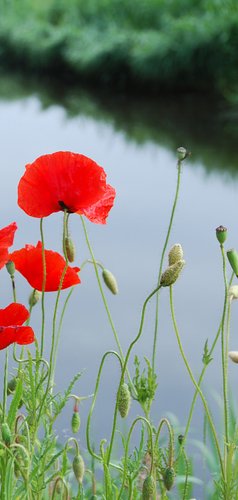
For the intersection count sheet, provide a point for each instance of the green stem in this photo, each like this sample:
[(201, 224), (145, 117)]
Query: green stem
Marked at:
[(125, 367), (43, 289), (195, 383), (179, 165), (224, 341), (90, 449), (95, 263), (202, 374), (5, 386), (60, 328), (142, 419), (164, 421)]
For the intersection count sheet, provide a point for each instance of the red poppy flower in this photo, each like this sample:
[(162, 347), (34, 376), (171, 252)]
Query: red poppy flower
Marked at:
[(11, 329), (6, 241), (65, 180), (28, 261)]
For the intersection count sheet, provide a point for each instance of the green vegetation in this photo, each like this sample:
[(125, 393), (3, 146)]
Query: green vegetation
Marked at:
[(149, 44)]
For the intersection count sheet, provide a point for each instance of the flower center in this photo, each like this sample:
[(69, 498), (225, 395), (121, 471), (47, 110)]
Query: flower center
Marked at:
[(64, 207)]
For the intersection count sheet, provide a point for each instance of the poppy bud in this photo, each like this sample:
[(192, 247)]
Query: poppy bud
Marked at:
[(221, 234), (11, 386), (233, 292), (6, 434), (233, 355), (69, 248), (78, 467), (149, 488), (124, 400), (233, 259), (10, 267), (175, 254), (180, 439), (75, 421), (172, 273), (168, 477), (110, 281), (181, 153), (34, 298)]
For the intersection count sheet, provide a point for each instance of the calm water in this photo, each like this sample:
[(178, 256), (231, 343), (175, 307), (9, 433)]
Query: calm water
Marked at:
[(135, 143)]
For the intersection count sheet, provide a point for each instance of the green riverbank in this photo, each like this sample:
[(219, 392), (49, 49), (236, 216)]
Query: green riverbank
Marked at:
[(152, 45)]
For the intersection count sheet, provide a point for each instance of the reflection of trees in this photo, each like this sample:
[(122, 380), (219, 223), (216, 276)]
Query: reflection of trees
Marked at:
[(206, 127)]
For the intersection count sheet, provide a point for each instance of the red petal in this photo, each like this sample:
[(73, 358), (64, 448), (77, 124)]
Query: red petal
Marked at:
[(28, 261), (61, 179), (20, 334), (99, 211), (14, 314), (6, 241)]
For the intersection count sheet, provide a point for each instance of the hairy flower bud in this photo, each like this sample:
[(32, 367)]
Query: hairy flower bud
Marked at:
[(110, 281), (149, 488), (168, 477), (181, 153), (233, 292), (221, 234), (233, 355), (180, 439), (6, 434), (124, 400), (10, 267), (34, 297), (11, 386), (175, 254), (233, 259), (78, 467), (69, 248), (75, 421), (171, 274)]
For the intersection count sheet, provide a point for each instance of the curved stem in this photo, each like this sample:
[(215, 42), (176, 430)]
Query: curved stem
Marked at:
[(95, 263), (60, 328), (164, 421), (125, 366), (179, 166), (142, 419), (195, 383), (90, 449), (5, 386)]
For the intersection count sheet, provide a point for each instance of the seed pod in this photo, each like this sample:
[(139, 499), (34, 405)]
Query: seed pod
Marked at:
[(171, 274), (181, 153), (175, 254), (34, 298), (75, 421), (124, 400), (149, 488), (221, 234), (10, 267), (110, 281), (168, 477), (6, 434), (11, 386), (69, 248), (78, 467), (233, 259)]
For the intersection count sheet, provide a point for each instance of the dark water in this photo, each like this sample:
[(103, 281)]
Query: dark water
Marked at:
[(136, 143)]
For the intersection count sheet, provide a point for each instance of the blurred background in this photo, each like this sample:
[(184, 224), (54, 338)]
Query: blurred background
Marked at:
[(126, 83)]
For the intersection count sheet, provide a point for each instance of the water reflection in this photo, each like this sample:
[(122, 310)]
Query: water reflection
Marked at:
[(206, 126)]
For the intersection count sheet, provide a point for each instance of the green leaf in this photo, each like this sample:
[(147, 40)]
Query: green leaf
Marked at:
[(15, 403)]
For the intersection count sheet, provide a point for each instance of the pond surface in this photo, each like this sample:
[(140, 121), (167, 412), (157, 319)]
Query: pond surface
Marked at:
[(136, 144)]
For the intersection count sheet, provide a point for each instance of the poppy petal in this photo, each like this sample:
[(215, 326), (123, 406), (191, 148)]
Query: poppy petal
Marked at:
[(6, 241), (58, 181), (99, 211), (20, 334), (28, 261), (14, 314)]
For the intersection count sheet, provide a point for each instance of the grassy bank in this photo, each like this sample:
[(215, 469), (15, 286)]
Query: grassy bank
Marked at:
[(152, 44)]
